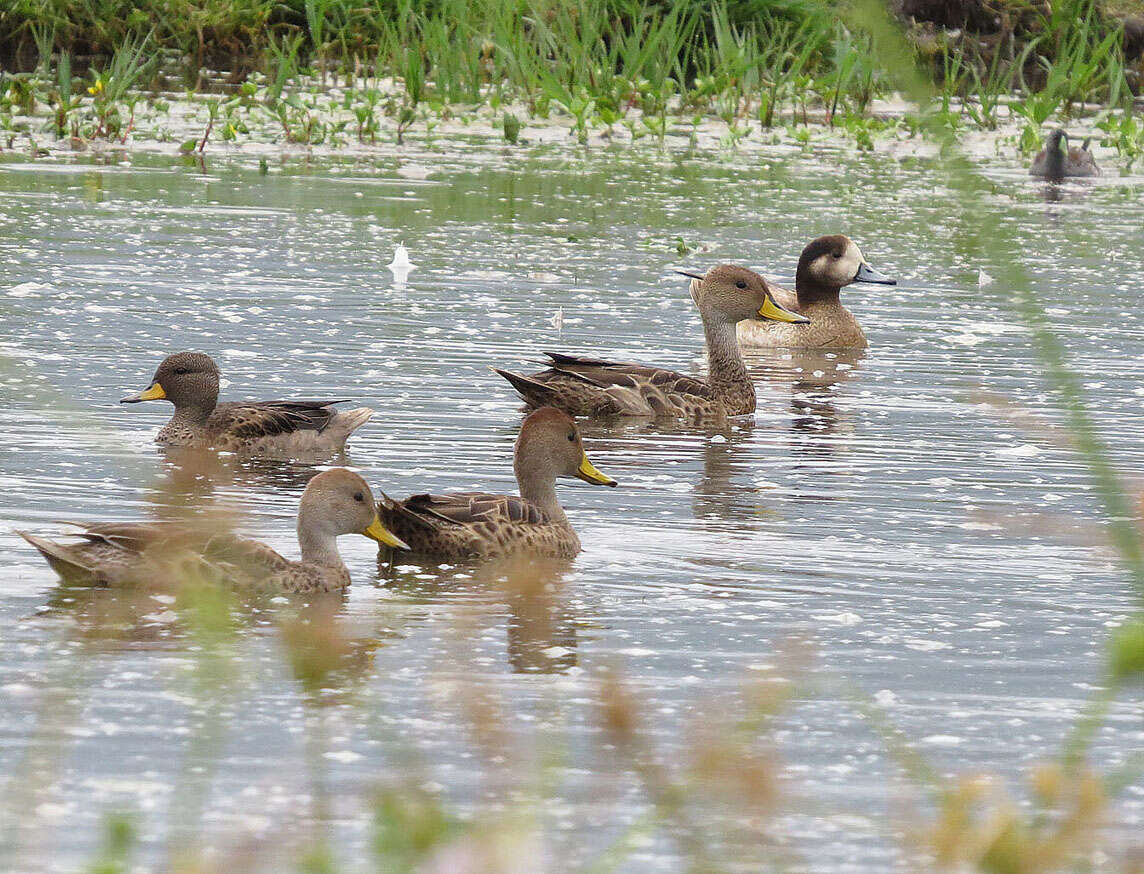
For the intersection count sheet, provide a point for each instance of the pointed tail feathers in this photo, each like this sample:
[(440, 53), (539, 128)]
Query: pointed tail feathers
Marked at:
[(346, 422), (63, 559), (534, 392)]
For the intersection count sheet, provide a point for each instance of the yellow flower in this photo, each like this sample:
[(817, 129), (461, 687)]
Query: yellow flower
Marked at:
[(97, 88)]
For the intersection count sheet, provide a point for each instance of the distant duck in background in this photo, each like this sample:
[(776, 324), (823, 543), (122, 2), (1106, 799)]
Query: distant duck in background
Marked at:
[(825, 266), (1057, 160)]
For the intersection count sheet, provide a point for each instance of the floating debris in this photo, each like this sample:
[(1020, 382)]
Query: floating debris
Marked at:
[(401, 262)]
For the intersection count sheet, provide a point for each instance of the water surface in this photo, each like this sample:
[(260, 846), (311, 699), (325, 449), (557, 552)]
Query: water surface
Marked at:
[(933, 553)]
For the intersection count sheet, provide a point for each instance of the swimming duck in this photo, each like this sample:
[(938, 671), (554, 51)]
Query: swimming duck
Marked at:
[(825, 265), (335, 502), (1057, 160), (582, 386), (477, 525), (189, 380)]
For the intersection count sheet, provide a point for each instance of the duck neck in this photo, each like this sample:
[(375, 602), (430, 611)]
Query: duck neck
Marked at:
[(193, 415), (319, 546), (810, 291), (727, 374), (1055, 151), (539, 487)]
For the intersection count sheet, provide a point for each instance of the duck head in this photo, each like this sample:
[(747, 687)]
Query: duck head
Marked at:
[(549, 446), (738, 293), (833, 261), (337, 502), (186, 379), (1057, 141)]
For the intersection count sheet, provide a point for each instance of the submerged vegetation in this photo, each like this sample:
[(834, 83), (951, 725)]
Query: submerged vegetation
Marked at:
[(335, 72)]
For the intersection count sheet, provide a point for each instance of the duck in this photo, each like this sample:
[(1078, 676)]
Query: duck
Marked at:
[(1057, 160), (585, 386), (478, 525), (120, 554), (826, 265), (189, 380)]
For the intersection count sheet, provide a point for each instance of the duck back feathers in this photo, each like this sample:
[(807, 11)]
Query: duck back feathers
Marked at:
[(469, 525)]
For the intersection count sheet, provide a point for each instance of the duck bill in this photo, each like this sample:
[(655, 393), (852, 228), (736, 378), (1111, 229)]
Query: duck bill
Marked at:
[(154, 393), (775, 313), (589, 474), (866, 273), (377, 531)]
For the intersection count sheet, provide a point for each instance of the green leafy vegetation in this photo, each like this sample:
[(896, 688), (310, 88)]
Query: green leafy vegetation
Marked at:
[(642, 66)]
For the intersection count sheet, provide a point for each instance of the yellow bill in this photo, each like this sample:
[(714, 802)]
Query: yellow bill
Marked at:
[(377, 531), (154, 393), (589, 474), (774, 312)]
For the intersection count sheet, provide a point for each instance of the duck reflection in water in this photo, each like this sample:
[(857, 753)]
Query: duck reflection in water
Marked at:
[(541, 629), (541, 623), (816, 378), (190, 479), (727, 489)]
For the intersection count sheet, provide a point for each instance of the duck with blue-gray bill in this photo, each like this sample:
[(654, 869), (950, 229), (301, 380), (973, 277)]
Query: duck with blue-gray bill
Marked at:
[(826, 266)]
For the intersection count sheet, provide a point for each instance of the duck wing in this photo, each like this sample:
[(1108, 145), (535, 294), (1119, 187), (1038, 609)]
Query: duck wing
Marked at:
[(464, 524), (467, 508), (585, 386), (114, 553), (250, 420), (1081, 161)]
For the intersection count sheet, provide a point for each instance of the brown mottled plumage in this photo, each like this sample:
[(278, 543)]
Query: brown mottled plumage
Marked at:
[(189, 380), (1058, 160), (163, 554), (825, 266), (477, 525), (584, 386)]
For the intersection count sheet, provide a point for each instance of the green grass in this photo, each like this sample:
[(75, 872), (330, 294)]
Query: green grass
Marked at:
[(642, 65)]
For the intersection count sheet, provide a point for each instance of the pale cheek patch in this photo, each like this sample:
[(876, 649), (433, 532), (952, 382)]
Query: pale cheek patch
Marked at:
[(848, 265)]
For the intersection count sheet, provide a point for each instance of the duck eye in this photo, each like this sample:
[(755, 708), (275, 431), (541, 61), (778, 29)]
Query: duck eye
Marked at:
[(740, 284), (181, 371), (359, 497), (837, 255), (572, 437)]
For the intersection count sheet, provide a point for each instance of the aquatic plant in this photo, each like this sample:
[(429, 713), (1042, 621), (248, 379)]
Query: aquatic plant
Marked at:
[(604, 63), (1124, 132), (510, 125), (114, 89)]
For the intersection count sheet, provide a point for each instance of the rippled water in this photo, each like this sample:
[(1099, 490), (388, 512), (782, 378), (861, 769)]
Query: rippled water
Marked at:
[(936, 554)]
